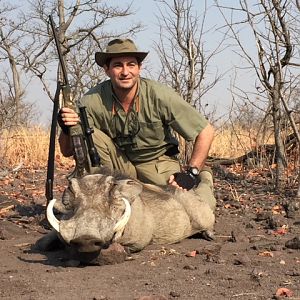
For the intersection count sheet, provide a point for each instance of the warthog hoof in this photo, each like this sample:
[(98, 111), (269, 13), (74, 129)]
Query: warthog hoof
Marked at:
[(208, 235)]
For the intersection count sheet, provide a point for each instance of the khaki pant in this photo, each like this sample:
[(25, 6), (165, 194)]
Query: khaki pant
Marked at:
[(156, 171)]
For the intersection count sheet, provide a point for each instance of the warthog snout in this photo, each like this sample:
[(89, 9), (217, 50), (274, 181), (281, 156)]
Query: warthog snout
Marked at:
[(87, 243)]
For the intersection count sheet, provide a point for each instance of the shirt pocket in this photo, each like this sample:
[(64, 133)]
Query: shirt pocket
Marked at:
[(151, 135)]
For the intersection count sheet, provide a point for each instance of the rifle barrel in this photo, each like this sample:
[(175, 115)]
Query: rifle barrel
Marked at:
[(61, 59)]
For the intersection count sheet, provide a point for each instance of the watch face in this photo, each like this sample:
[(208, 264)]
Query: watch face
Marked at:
[(194, 171)]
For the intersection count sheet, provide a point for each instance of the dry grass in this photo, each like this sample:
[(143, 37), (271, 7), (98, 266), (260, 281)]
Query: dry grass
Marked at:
[(30, 146), (237, 141), (27, 146)]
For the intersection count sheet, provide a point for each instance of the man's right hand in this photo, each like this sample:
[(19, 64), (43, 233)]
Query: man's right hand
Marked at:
[(67, 117)]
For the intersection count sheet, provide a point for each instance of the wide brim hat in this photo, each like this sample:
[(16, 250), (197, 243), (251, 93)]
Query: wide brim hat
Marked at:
[(117, 48)]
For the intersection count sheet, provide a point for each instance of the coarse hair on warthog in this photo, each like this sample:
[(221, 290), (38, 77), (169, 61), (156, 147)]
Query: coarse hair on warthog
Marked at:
[(100, 209)]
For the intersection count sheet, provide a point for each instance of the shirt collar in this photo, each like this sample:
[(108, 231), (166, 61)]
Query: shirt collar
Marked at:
[(116, 105)]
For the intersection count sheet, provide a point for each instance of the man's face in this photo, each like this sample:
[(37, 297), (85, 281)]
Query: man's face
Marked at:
[(123, 72)]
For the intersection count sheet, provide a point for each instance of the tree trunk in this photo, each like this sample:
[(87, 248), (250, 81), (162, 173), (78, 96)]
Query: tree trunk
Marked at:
[(279, 146), (17, 88)]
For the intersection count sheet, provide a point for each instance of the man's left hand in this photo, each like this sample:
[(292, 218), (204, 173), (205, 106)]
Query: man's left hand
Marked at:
[(183, 180)]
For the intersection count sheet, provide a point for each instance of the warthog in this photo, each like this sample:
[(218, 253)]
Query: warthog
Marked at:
[(101, 209)]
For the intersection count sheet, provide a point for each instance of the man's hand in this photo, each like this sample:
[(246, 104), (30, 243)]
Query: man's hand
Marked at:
[(67, 117), (183, 180)]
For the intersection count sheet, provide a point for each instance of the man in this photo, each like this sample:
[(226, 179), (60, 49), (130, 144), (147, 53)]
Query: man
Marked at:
[(132, 119)]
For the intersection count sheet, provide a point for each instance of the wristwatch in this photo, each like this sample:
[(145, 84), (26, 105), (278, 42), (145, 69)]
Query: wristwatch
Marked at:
[(193, 170)]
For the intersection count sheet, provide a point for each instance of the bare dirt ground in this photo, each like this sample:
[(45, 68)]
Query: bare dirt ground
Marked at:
[(255, 254)]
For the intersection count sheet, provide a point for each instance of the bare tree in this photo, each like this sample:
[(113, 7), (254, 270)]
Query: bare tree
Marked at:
[(12, 94), (184, 59), (83, 28), (270, 22)]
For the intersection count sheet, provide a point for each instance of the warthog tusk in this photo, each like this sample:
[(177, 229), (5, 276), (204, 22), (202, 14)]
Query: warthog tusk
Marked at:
[(54, 222), (120, 225)]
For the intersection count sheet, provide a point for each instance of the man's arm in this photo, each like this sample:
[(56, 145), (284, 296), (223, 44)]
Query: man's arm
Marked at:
[(200, 151), (69, 118), (65, 144), (201, 147)]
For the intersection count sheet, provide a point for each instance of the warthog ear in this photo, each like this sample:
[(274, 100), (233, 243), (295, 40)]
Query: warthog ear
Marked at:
[(74, 186), (129, 188)]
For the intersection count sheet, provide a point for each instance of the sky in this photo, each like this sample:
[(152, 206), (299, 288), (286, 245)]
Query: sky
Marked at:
[(146, 12)]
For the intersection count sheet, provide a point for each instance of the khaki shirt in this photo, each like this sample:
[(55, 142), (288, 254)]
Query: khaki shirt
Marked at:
[(144, 132)]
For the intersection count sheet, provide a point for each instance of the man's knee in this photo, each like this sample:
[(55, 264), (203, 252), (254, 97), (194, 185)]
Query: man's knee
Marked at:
[(205, 188), (206, 176)]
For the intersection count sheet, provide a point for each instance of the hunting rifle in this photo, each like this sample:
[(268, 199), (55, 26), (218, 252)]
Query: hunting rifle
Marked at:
[(75, 131)]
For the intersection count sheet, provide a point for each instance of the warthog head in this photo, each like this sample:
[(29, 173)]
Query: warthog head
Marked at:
[(98, 210)]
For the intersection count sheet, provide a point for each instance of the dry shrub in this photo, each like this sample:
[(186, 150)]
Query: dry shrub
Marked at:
[(232, 142), (27, 146)]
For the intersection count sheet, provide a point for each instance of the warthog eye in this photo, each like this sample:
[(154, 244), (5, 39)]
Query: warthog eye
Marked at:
[(112, 191), (71, 189), (68, 198)]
